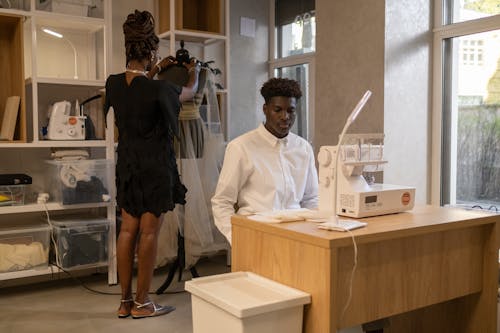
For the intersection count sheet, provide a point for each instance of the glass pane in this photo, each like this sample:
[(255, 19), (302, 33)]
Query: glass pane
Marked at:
[(472, 118), (299, 73), (295, 27), (465, 10), (298, 37)]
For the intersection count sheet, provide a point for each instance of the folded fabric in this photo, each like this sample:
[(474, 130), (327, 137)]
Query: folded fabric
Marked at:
[(14, 257)]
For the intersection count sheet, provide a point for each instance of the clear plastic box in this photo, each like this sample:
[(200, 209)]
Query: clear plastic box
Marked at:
[(80, 242), (24, 248), (12, 195), (69, 7), (79, 181)]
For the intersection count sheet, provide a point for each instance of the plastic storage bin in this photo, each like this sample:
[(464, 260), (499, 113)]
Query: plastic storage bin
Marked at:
[(80, 241), (70, 7), (79, 181), (244, 302), (24, 248), (11, 195)]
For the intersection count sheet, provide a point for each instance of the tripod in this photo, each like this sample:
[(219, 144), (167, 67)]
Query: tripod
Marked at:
[(179, 263)]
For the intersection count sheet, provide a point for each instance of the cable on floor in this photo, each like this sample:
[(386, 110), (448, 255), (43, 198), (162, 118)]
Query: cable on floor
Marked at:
[(85, 286)]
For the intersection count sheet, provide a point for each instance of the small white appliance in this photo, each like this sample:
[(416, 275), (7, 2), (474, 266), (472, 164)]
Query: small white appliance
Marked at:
[(356, 197), (63, 125)]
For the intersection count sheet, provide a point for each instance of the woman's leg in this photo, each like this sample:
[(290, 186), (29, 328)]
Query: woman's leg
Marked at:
[(125, 251), (149, 227), (148, 242)]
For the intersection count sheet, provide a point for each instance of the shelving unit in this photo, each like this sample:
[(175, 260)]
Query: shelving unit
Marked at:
[(204, 27), (71, 67)]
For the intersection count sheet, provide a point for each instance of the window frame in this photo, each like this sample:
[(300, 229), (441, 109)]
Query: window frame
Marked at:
[(293, 60), (441, 32)]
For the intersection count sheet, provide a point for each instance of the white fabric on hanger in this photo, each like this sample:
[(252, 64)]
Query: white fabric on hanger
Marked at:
[(199, 172)]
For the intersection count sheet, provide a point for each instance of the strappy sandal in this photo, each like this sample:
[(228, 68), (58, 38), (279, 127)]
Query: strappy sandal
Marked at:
[(158, 310), (126, 312)]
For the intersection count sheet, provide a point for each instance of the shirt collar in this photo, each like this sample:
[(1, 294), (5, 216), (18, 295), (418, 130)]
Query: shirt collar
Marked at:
[(270, 138)]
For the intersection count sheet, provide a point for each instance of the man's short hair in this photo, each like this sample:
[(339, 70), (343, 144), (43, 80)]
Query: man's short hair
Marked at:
[(280, 87)]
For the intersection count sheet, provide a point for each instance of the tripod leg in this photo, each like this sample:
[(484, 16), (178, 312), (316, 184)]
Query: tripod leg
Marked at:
[(181, 254), (170, 277), (194, 273)]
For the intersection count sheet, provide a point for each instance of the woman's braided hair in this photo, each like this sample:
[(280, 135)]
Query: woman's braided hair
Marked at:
[(140, 37)]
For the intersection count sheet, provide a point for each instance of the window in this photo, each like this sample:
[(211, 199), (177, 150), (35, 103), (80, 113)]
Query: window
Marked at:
[(465, 10), (466, 160), (300, 73), (471, 51), (293, 43)]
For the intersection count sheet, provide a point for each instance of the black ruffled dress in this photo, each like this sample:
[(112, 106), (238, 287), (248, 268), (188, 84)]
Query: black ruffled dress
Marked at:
[(146, 114)]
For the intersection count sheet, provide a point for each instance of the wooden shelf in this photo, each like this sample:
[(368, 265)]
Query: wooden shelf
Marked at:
[(12, 69), (196, 15)]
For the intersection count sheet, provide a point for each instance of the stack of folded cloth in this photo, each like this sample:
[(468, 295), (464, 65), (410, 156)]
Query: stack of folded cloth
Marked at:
[(21, 256)]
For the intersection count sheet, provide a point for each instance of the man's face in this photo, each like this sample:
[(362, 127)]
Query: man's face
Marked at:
[(280, 115)]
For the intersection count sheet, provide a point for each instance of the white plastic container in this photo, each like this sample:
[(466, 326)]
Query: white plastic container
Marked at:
[(244, 302)]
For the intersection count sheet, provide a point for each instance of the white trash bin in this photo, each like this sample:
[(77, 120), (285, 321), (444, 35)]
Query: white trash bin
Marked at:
[(244, 302)]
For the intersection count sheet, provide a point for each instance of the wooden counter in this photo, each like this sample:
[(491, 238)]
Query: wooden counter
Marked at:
[(432, 269)]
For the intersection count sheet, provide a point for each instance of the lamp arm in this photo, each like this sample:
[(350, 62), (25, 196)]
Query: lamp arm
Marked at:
[(348, 123), (75, 56), (336, 173)]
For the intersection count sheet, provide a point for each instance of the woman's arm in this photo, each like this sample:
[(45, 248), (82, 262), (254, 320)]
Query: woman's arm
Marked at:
[(189, 90)]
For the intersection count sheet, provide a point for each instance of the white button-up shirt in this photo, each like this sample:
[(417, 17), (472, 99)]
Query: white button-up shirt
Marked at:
[(263, 173)]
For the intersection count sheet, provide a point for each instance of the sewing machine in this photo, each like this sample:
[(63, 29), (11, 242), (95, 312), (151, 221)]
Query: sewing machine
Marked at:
[(63, 125), (358, 197)]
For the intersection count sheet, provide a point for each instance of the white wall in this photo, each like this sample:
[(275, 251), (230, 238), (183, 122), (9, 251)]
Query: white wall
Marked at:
[(407, 89), (349, 61), (383, 46), (121, 8), (248, 63)]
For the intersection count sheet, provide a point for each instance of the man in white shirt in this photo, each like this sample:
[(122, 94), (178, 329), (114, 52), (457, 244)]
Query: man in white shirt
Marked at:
[(268, 168)]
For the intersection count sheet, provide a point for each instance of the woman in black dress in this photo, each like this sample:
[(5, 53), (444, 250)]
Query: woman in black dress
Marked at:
[(147, 179)]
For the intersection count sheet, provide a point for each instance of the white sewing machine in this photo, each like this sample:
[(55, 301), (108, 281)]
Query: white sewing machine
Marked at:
[(64, 126), (357, 197)]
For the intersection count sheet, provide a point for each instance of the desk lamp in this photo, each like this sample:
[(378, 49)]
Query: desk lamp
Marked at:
[(58, 35), (348, 123)]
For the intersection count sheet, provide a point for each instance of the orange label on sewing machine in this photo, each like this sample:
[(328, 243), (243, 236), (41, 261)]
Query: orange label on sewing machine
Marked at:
[(406, 198)]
